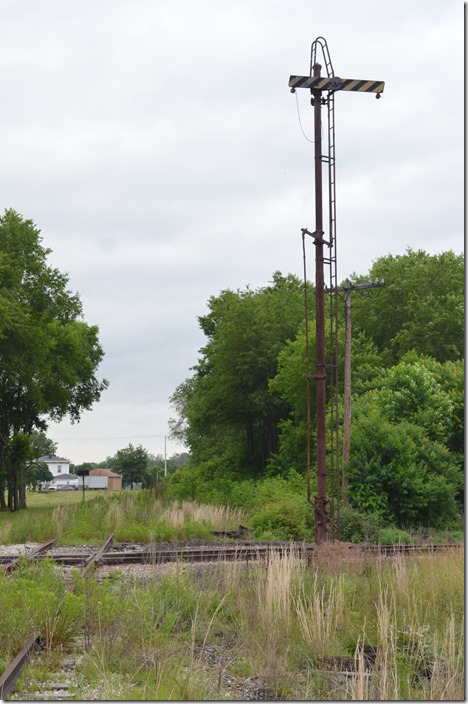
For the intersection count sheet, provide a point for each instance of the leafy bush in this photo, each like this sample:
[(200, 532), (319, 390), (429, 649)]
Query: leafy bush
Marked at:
[(393, 536), (290, 519), (398, 471), (357, 527)]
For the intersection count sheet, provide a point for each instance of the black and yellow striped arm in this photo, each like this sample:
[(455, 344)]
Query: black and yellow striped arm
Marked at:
[(335, 83)]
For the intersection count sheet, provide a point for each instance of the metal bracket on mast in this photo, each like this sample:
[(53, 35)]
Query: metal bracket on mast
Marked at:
[(317, 236)]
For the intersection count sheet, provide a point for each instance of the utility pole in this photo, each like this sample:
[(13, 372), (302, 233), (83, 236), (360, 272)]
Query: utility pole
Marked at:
[(317, 84), (347, 288), (165, 457)]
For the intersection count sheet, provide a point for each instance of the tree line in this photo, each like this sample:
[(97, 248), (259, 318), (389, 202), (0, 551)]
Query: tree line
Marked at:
[(138, 466), (242, 412)]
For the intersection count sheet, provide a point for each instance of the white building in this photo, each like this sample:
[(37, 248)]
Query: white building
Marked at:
[(56, 465)]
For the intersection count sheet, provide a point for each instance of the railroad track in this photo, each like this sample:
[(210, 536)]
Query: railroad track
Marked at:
[(12, 562), (154, 555), (13, 671)]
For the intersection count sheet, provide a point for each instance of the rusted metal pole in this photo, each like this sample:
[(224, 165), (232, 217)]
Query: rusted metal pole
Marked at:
[(321, 529)]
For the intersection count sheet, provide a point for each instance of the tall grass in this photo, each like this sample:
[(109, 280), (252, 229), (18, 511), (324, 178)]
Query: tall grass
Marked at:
[(285, 622), (218, 517), (190, 633), (131, 516)]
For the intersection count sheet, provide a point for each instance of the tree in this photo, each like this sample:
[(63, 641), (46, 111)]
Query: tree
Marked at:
[(131, 462), (411, 392), (42, 445), (243, 411), (420, 308), (84, 466), (37, 473), (226, 408), (48, 354), (397, 471), (402, 464)]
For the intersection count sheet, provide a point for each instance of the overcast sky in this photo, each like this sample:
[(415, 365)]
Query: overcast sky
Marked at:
[(157, 147)]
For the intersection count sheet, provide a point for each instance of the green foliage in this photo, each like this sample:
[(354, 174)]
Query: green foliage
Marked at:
[(48, 355), (243, 412), (393, 536), (37, 473), (288, 519), (411, 392), (358, 527), (451, 379), (64, 626), (398, 471), (228, 403), (131, 462), (87, 466), (421, 306), (28, 596), (42, 444)]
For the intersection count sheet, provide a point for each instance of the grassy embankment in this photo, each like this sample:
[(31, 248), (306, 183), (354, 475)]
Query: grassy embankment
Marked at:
[(141, 517), (193, 634)]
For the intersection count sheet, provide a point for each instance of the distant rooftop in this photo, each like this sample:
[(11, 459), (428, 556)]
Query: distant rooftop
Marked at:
[(52, 458), (103, 473)]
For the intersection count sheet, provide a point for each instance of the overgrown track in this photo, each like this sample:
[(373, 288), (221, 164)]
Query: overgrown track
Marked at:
[(155, 554), (30, 556), (33, 643), (411, 548)]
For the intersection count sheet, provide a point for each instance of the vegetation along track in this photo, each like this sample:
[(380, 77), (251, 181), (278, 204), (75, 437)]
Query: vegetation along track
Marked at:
[(13, 670), (124, 554), (121, 554)]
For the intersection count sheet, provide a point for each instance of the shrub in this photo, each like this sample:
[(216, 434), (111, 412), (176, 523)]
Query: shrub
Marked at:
[(393, 536), (357, 527), (290, 519)]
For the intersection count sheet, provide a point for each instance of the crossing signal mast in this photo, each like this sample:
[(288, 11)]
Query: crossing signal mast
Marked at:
[(323, 89)]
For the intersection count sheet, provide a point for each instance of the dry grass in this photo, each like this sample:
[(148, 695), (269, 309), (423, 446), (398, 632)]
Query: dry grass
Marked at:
[(292, 612), (219, 517), (283, 623)]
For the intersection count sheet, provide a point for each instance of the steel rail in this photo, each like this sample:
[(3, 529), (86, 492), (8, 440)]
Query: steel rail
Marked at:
[(12, 672), (97, 556), (29, 556), (232, 552)]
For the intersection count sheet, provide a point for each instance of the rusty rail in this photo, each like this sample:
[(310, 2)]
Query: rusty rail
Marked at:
[(248, 551), (97, 556), (13, 670), (245, 552), (29, 556)]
